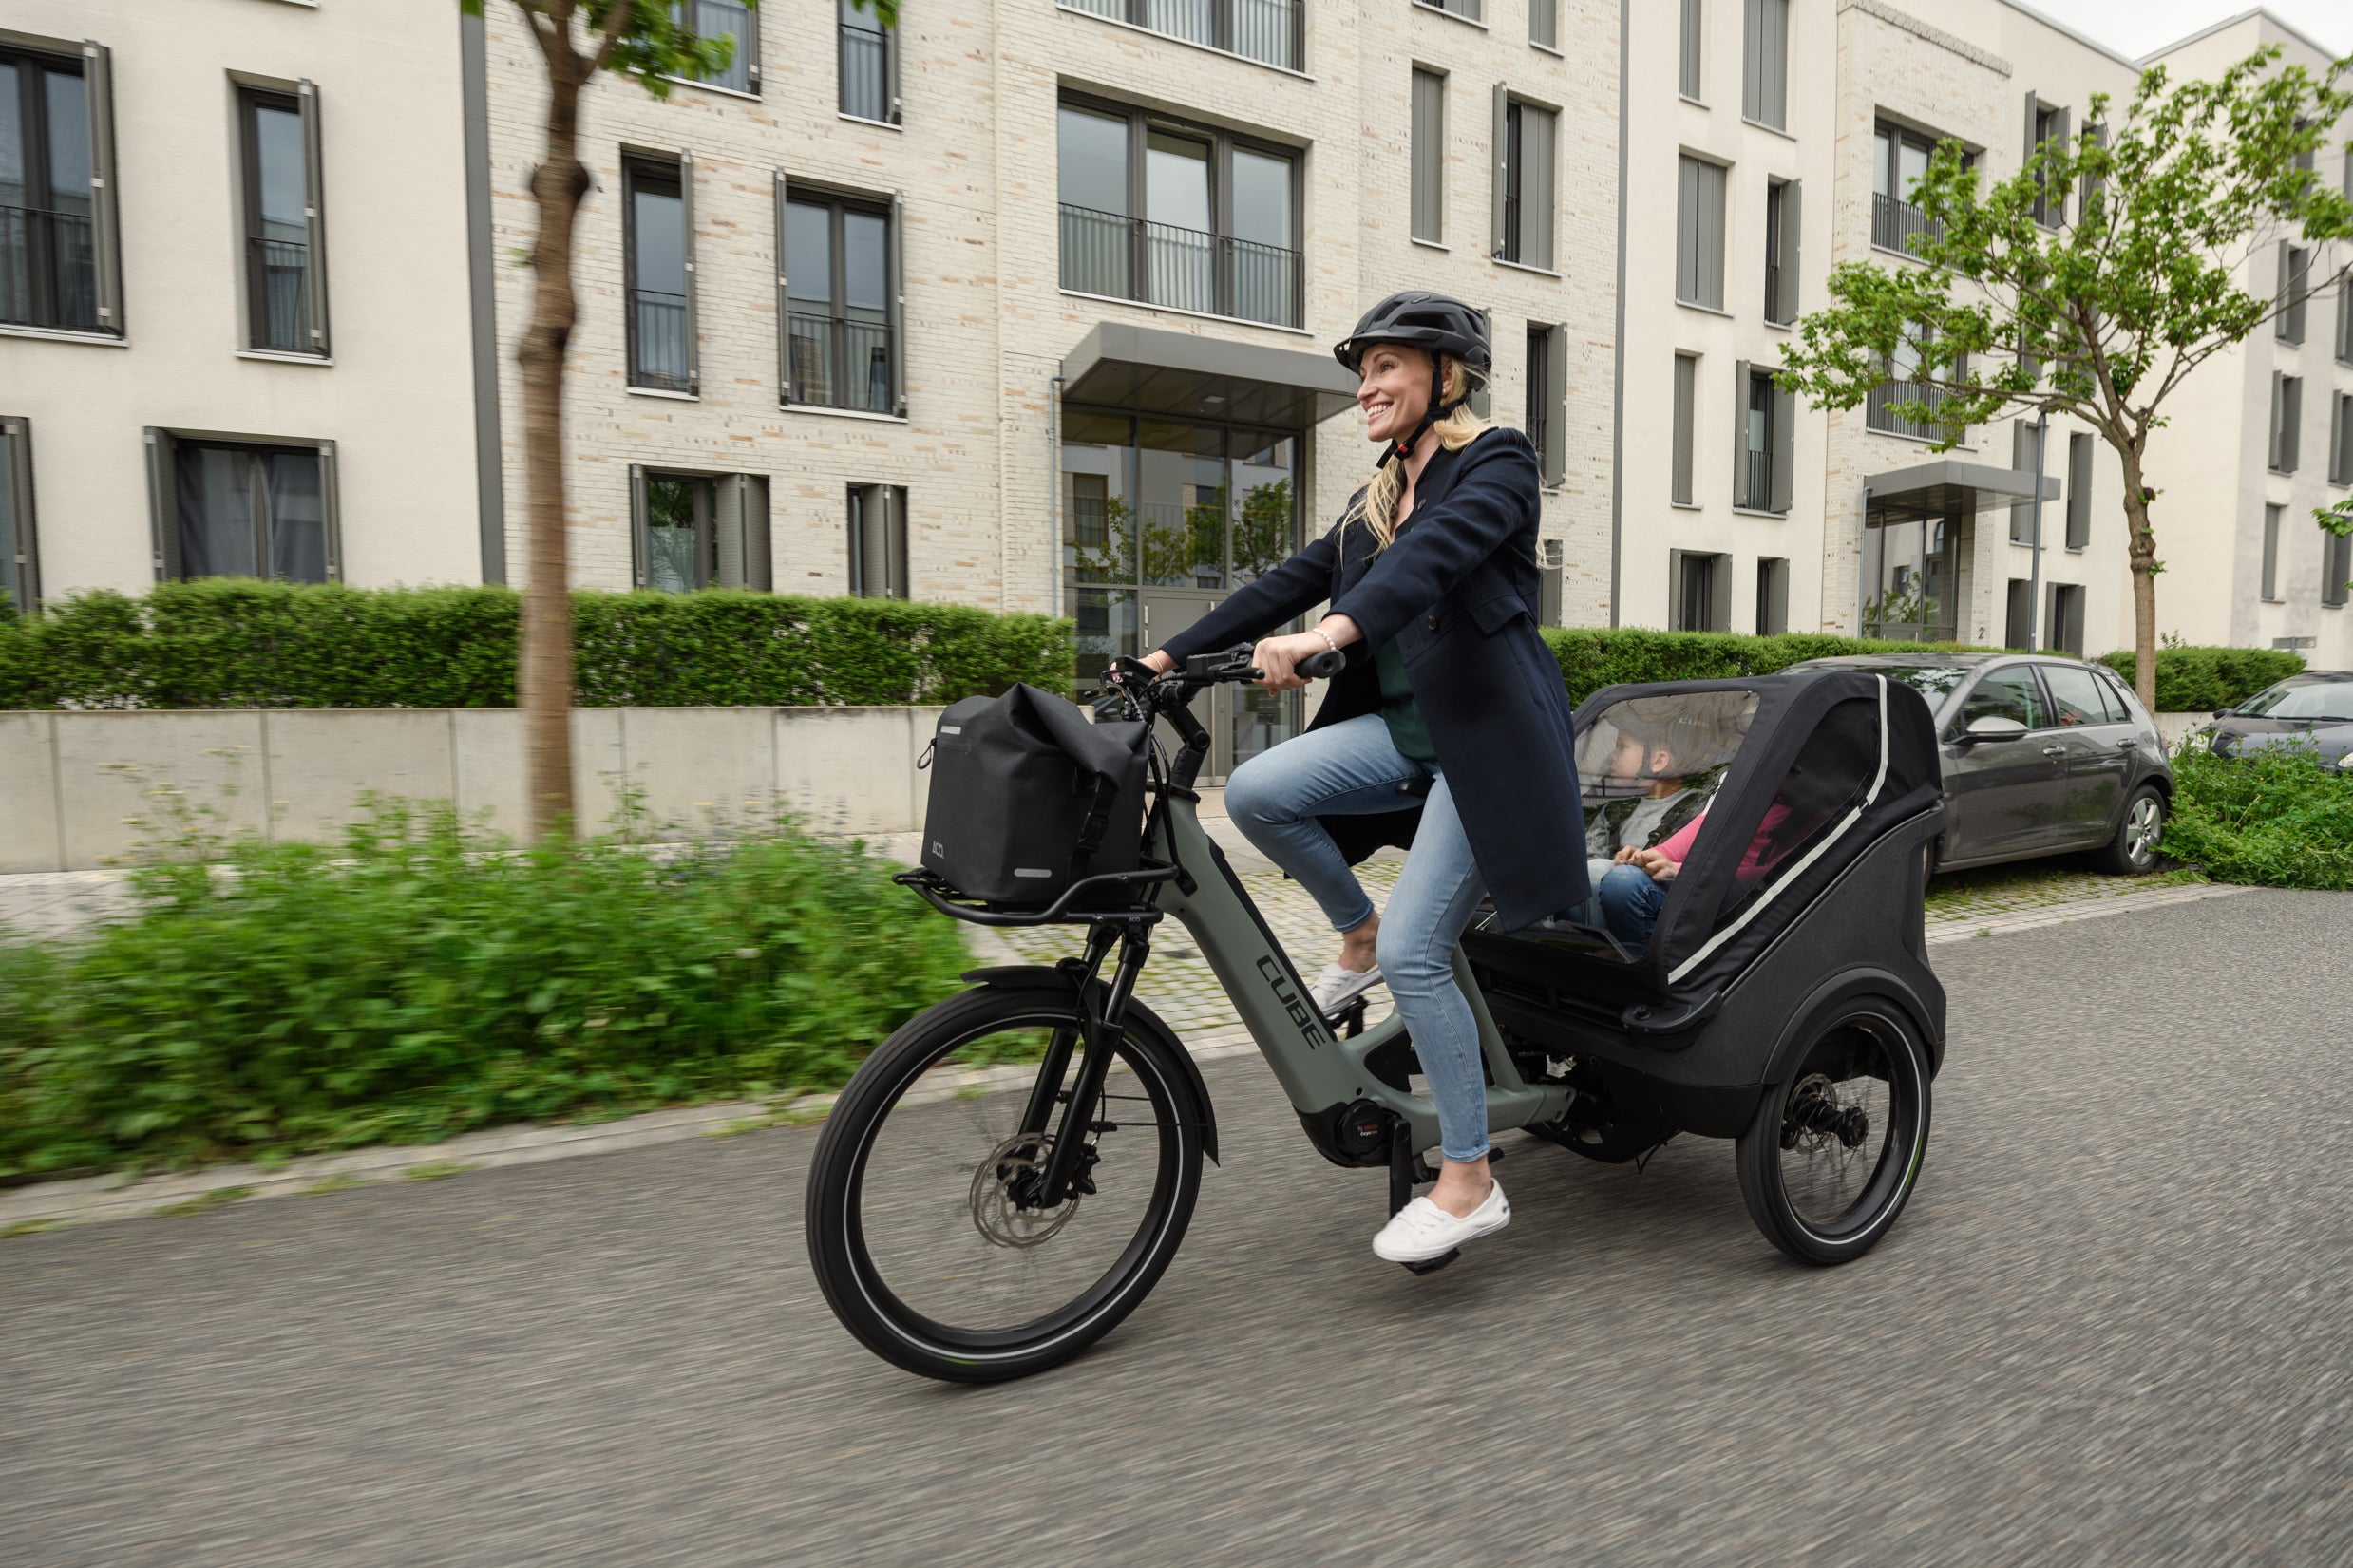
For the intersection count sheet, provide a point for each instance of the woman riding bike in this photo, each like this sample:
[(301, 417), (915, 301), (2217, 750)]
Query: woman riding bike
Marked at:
[(1449, 731)]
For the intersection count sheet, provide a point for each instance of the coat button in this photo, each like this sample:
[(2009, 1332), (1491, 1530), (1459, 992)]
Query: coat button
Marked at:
[(1431, 621)]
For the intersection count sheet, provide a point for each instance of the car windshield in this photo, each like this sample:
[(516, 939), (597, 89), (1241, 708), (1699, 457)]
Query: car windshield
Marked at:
[(2307, 700)]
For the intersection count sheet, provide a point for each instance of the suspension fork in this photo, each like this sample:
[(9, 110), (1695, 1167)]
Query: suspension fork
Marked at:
[(1102, 1025)]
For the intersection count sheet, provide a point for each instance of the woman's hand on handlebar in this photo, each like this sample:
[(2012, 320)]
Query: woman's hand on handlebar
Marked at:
[(1279, 658), (1159, 660)]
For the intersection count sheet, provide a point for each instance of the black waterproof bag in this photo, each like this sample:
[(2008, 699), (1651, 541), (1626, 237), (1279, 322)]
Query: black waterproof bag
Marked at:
[(1027, 797)]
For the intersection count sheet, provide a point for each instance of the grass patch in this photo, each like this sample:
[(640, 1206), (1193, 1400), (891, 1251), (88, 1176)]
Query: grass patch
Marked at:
[(341, 1182), (2276, 819), (30, 1227), (205, 1203), (1956, 891), (437, 1170)]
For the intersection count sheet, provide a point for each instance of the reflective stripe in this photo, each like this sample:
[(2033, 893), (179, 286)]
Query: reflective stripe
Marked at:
[(1754, 909)]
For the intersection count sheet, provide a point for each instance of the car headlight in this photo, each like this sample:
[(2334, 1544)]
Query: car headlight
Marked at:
[(2345, 761)]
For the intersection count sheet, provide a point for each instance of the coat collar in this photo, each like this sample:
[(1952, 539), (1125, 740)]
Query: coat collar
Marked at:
[(1438, 478)]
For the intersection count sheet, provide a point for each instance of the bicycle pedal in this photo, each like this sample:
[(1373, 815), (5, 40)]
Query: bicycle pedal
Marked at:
[(1431, 1265)]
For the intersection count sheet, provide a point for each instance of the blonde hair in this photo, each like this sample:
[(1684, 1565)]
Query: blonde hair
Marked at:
[(1377, 504)]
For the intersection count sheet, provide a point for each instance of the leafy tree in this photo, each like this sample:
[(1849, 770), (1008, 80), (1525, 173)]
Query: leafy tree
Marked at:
[(653, 41), (2104, 317)]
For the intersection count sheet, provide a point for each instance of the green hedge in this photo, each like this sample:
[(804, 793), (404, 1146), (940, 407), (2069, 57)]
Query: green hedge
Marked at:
[(2198, 680), (1592, 658), (406, 984), (236, 643), (2274, 819)]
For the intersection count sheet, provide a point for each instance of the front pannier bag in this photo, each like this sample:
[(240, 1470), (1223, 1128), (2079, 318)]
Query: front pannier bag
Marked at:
[(1027, 797)]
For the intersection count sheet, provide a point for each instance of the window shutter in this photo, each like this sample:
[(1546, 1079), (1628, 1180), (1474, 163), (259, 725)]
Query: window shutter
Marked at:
[(106, 213), (1503, 174), (783, 304), (1784, 448), (1555, 455), (2341, 440), (895, 301), (1675, 591), (2271, 458), (639, 508), (1686, 401), (748, 43), (20, 540), (890, 69), (1712, 234), (163, 505), (1741, 435), (2034, 123), (895, 539), (1752, 57), (2291, 422), (330, 510), (1687, 229), (1536, 185), (1687, 78), (315, 209), (1429, 156), (2058, 207), (686, 238), (2092, 185), (1792, 214), (759, 560), (726, 530), (2079, 491)]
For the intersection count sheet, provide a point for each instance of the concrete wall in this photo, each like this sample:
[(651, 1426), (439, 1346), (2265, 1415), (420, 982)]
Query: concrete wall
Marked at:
[(79, 790)]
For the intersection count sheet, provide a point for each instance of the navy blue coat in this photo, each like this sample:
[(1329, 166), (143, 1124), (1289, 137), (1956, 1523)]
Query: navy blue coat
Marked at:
[(1457, 591)]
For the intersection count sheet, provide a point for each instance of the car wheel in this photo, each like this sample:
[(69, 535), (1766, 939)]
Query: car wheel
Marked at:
[(2134, 851)]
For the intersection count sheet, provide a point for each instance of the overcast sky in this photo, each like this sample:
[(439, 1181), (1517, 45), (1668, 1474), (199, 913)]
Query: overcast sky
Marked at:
[(2135, 27)]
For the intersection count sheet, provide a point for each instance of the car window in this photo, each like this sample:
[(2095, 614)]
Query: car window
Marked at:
[(2077, 695), (1934, 682), (2302, 700), (2007, 692)]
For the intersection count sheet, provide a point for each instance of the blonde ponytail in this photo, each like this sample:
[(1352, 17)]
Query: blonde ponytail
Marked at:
[(1376, 508)]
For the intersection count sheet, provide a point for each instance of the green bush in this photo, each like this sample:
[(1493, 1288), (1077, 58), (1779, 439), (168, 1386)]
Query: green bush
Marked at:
[(240, 643), (419, 979), (2276, 819), (1591, 658), (2198, 680)]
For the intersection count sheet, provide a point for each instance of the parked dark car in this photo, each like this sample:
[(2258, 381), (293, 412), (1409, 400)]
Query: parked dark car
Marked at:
[(2043, 755), (2312, 711)]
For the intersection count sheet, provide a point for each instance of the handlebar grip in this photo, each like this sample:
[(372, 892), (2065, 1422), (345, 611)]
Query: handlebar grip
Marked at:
[(1323, 666)]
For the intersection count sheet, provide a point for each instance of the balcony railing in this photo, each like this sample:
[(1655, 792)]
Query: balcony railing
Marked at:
[(839, 362), (49, 270), (1266, 30), (1756, 480), (1184, 269), (1895, 223), (657, 350), (1879, 403), (865, 75), (282, 268)]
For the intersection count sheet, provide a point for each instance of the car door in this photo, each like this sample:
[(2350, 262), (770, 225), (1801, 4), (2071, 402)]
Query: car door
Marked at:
[(2003, 798), (2099, 743)]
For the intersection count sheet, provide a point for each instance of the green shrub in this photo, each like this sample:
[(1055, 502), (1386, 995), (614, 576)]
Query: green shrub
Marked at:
[(2276, 819), (419, 979), (2198, 680), (1591, 658), (242, 643)]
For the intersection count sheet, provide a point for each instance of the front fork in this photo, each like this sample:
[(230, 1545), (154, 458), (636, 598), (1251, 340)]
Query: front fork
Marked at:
[(1100, 1022)]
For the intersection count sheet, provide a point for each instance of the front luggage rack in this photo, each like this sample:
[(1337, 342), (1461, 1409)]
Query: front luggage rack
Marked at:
[(936, 892)]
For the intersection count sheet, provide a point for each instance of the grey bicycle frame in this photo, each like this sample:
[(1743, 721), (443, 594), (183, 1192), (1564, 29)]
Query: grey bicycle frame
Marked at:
[(1318, 1069)]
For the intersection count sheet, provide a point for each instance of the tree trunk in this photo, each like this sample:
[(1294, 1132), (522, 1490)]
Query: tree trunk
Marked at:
[(544, 676), (2144, 559)]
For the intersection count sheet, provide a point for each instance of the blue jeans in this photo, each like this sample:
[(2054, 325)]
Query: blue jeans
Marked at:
[(1630, 900), (1352, 770)]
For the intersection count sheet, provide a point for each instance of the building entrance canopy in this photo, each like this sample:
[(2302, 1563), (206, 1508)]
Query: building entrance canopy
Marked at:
[(1154, 372), (1919, 542), (1946, 488)]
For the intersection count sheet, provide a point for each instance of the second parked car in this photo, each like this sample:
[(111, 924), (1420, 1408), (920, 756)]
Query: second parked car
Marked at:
[(2043, 755), (2311, 712)]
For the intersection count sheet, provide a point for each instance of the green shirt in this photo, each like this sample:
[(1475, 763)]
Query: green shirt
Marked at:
[(1398, 710)]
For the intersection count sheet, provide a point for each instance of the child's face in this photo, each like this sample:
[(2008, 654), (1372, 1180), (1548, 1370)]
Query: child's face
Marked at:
[(1636, 762)]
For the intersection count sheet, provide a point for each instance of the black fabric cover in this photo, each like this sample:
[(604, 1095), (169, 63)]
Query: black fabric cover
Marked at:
[(1027, 797), (1833, 760)]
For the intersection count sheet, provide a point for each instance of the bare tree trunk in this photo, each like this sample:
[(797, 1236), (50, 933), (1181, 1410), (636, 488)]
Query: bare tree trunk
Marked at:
[(544, 684), (2143, 554)]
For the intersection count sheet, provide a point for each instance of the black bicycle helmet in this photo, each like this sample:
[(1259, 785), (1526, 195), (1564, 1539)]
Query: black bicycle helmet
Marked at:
[(1433, 323)]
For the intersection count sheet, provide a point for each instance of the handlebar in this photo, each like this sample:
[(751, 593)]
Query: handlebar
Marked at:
[(1136, 681)]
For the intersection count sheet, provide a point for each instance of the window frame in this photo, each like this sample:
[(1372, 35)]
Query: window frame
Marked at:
[(2047, 123), (29, 54), (1780, 452), (2082, 453), (1682, 454), (635, 164), (1691, 203), (1426, 158), (21, 539), (739, 550), (1548, 400), (1715, 568), (892, 210), (161, 444), (2295, 271), (250, 94), (1508, 220), (2287, 420), (1773, 595), (843, 27), (748, 54)]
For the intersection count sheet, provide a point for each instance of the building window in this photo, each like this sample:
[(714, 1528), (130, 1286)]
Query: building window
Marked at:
[(2271, 552), (1767, 415), (1781, 225), (1180, 215), (243, 508), (2046, 123), (1524, 132), (878, 541), (58, 252), (20, 556), (1268, 31), (2295, 265), (2064, 634), (1686, 408), (1469, 11), (1899, 159), (2079, 451), (869, 67), (2286, 414), (729, 19), (1879, 406), (1773, 597), (1428, 154), (2336, 569), (285, 255), (842, 299), (2341, 438), (1699, 232), (1687, 66), (691, 531), (1765, 63), (658, 211), (1702, 587), (1547, 380), (2345, 321), (1544, 23)]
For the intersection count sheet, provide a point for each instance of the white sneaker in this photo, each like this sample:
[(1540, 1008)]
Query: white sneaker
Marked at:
[(1421, 1230), (1337, 986)]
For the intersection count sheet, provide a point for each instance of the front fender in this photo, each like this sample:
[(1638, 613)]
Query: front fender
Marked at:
[(1140, 1019)]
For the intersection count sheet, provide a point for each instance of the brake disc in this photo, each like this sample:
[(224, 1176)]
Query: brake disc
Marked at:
[(995, 1214)]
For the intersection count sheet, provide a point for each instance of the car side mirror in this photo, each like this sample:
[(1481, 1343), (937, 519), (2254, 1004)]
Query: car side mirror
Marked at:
[(1991, 727), (2223, 712)]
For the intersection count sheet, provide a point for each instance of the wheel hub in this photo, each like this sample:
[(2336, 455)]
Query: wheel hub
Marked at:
[(1818, 1114), (1005, 1206)]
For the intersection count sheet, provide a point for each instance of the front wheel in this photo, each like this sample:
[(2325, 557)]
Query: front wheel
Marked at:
[(2134, 851), (1836, 1146), (924, 1225)]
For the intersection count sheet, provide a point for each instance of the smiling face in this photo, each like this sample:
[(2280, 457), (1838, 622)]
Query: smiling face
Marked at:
[(1394, 390)]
